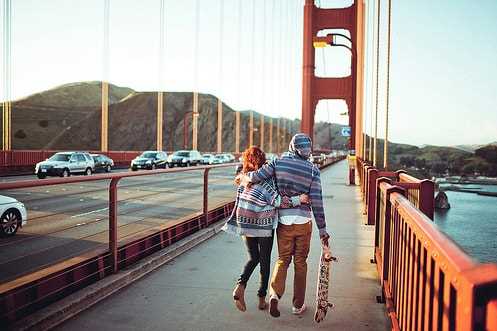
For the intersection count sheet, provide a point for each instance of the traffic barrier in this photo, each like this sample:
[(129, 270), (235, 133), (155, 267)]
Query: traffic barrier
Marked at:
[(428, 282)]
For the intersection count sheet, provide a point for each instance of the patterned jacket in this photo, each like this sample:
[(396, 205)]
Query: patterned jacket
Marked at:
[(256, 210)]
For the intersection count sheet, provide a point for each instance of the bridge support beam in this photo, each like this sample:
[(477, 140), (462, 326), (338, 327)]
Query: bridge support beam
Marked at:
[(160, 119), (195, 121), (345, 88), (219, 125)]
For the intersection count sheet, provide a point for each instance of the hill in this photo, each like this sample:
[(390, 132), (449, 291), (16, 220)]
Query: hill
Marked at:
[(68, 117)]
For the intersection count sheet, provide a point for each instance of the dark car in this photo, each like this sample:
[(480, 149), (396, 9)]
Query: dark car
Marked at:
[(150, 160), (64, 164), (102, 162), (185, 158)]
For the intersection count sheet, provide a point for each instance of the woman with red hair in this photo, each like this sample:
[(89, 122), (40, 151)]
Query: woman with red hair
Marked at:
[(254, 218)]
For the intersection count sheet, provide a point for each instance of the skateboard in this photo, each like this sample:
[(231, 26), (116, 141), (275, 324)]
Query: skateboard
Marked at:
[(322, 303)]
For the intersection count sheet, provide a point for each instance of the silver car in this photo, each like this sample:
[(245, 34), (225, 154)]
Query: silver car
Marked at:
[(64, 164)]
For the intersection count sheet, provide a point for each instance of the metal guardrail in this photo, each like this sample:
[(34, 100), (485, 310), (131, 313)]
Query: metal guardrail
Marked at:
[(428, 282), (28, 293)]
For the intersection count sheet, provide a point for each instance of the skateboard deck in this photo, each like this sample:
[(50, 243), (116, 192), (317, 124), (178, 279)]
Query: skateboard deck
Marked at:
[(322, 303)]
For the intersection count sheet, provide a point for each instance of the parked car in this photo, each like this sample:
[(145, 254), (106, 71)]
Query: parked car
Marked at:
[(13, 217), (207, 159), (185, 158), (64, 164), (102, 162), (229, 157), (150, 160), (219, 158)]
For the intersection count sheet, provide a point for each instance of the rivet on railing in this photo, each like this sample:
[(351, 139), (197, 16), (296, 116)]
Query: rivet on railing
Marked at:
[(435, 254)]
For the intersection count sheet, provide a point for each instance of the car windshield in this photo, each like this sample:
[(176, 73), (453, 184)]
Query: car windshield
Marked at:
[(207, 156), (219, 157), (182, 153), (148, 155), (60, 157)]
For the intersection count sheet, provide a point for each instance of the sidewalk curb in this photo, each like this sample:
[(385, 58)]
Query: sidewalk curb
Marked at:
[(56, 313)]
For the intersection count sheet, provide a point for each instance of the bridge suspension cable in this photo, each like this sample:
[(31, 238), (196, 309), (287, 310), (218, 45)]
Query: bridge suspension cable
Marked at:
[(7, 76), (220, 80), (160, 78), (377, 82), (238, 71), (385, 149), (105, 80), (195, 112), (371, 78), (252, 75), (263, 75)]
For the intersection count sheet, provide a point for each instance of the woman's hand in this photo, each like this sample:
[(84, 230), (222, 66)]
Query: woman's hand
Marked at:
[(304, 199), (243, 180)]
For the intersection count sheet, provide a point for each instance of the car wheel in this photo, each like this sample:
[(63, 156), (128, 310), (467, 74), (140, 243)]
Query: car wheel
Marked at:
[(171, 165), (65, 173), (88, 172), (188, 164), (9, 223), (40, 176), (153, 166), (108, 168)]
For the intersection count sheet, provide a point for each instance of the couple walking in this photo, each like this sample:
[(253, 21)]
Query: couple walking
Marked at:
[(277, 196)]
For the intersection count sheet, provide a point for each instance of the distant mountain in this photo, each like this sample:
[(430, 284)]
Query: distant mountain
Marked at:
[(472, 148), (75, 95)]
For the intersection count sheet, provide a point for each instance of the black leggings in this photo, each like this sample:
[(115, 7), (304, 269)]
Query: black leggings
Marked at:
[(259, 251)]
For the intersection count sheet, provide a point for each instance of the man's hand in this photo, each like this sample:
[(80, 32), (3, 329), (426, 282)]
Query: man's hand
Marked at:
[(304, 199), (324, 239)]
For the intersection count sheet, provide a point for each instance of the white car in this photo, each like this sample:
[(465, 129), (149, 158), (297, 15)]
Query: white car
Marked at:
[(13, 217)]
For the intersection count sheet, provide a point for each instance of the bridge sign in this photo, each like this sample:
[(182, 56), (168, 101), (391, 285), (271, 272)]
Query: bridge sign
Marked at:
[(346, 131)]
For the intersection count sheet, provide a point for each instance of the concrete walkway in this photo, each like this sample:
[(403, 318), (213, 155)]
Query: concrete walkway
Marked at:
[(193, 292)]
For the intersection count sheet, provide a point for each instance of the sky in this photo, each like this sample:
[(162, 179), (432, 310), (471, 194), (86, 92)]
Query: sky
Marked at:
[(443, 85)]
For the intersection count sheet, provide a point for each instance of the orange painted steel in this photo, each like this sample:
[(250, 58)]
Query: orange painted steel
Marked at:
[(347, 88), (428, 282)]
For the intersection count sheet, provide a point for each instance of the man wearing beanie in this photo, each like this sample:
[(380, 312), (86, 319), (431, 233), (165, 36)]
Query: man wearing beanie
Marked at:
[(294, 175)]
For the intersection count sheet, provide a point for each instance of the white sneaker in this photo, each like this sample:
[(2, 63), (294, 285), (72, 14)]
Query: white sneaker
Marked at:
[(299, 311)]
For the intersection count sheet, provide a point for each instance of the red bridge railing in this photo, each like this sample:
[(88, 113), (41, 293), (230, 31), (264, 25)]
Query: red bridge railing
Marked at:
[(428, 282), (33, 291)]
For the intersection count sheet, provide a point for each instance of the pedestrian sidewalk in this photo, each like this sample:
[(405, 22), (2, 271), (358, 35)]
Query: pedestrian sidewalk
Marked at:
[(193, 291)]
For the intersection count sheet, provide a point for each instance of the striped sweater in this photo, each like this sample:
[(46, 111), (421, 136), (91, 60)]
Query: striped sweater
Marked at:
[(255, 213), (295, 175)]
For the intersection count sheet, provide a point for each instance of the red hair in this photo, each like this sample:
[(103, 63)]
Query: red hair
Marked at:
[(253, 159)]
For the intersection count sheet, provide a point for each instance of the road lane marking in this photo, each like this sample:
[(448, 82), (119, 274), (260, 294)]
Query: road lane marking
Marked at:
[(90, 212)]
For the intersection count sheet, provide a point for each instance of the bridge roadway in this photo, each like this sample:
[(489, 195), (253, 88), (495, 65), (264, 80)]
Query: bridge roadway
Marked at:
[(68, 220), (193, 292)]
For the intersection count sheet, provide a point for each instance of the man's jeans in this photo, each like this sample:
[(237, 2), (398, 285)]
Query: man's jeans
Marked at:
[(293, 240), (259, 251)]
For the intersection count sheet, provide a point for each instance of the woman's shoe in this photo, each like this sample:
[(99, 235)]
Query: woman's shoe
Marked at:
[(239, 297), (262, 303)]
